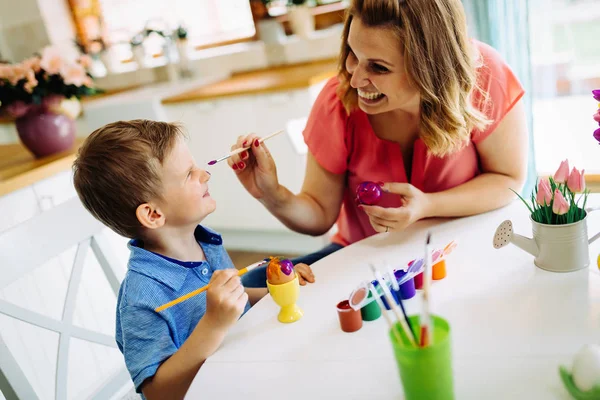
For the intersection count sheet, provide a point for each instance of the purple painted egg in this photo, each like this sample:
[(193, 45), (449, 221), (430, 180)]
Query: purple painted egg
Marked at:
[(286, 266), (368, 193)]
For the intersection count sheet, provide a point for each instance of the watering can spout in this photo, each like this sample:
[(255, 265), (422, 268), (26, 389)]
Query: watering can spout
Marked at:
[(526, 244), (505, 235)]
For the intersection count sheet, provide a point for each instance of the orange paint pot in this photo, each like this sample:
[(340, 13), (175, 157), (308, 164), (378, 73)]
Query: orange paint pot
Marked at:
[(438, 271), (350, 319)]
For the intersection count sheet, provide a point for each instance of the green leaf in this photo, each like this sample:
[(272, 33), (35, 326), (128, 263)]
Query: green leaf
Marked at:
[(523, 200)]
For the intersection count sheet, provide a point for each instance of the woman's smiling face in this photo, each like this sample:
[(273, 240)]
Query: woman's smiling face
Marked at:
[(376, 65)]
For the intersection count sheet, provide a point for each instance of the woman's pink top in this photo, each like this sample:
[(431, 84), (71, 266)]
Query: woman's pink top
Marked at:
[(343, 143)]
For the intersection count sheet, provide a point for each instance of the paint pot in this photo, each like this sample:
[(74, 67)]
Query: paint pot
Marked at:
[(419, 281), (407, 289), (382, 297), (350, 319), (438, 271), (371, 311), (358, 297)]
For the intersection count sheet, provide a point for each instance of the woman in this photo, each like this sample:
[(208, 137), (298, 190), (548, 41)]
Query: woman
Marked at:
[(435, 117)]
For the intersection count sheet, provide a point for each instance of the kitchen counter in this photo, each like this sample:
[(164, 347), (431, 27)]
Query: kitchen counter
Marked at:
[(19, 168), (273, 79)]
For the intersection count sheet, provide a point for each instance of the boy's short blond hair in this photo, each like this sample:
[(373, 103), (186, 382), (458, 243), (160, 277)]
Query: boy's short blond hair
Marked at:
[(117, 169)]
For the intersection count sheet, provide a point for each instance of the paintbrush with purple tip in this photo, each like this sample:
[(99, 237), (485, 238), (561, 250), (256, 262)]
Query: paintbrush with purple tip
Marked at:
[(238, 151)]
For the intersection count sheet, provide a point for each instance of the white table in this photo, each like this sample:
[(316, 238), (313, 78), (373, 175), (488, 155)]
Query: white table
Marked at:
[(512, 323)]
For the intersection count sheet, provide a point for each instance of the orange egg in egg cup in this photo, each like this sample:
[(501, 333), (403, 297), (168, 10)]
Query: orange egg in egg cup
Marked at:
[(284, 288)]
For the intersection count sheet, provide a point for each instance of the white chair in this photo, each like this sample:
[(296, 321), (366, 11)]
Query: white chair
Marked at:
[(23, 249)]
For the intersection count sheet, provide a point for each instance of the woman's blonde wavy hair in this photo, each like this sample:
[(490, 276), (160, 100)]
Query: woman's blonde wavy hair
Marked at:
[(439, 60)]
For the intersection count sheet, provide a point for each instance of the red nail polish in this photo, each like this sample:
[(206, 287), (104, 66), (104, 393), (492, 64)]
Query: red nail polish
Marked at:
[(380, 183), (241, 165), (235, 166), (256, 142), (244, 154), (244, 144)]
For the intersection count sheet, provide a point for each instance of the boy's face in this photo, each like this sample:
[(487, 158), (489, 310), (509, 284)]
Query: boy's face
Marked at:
[(186, 199)]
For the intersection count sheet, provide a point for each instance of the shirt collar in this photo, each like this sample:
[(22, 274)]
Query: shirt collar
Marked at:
[(207, 235), (166, 272)]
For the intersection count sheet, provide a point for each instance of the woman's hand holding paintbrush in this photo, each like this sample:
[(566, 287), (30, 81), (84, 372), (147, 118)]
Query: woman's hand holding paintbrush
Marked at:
[(254, 166), (235, 150)]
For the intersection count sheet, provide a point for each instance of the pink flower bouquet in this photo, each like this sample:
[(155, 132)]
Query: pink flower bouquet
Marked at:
[(553, 201), (596, 94), (43, 81)]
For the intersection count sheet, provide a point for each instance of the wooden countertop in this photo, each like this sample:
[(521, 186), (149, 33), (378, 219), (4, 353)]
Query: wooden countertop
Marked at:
[(269, 80), (19, 168)]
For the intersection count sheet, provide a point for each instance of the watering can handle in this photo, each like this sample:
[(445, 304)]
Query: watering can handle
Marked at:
[(597, 235)]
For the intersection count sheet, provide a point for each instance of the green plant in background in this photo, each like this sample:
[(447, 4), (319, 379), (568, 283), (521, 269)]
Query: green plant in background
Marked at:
[(181, 33), (137, 39)]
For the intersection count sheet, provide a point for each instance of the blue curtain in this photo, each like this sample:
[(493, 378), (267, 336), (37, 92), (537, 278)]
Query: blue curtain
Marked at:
[(504, 25)]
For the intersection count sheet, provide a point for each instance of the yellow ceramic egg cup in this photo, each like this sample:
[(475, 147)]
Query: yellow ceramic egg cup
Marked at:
[(286, 295)]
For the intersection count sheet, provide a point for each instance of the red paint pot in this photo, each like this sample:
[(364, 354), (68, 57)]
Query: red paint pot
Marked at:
[(419, 281), (350, 319)]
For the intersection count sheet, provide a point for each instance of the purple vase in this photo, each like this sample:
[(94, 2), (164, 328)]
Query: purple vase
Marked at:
[(45, 133)]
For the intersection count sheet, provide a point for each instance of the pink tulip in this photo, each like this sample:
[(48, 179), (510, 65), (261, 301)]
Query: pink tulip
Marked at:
[(597, 116), (560, 205), (562, 174), (17, 72), (31, 81), (5, 71), (544, 193), (32, 63), (576, 181), (85, 61), (52, 60), (73, 74)]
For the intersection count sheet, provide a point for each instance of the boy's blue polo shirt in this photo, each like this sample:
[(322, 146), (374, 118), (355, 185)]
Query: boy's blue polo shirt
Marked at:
[(147, 338)]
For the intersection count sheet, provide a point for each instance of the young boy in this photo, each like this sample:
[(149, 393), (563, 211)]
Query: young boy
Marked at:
[(139, 178)]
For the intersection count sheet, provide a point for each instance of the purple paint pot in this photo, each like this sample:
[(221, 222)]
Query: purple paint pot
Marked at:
[(407, 289)]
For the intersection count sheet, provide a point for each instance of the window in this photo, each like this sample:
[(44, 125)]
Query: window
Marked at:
[(207, 21), (565, 57)]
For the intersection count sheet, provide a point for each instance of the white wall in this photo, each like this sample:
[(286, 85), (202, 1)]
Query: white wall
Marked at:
[(22, 28), (28, 25)]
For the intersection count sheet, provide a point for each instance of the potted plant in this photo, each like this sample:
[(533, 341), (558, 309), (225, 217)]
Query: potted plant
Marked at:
[(97, 68), (137, 49), (181, 41), (558, 216), (268, 28), (42, 95), (301, 18), (181, 33)]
